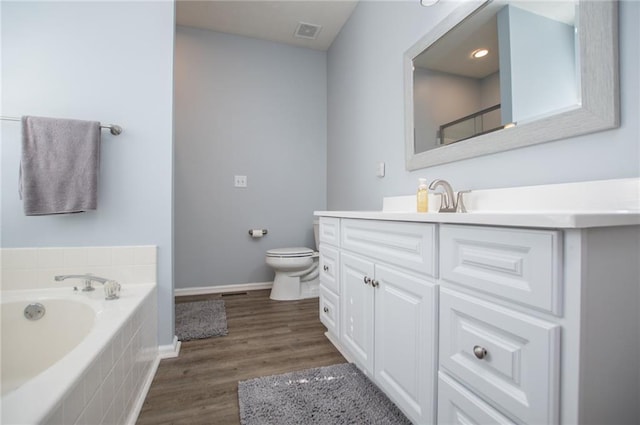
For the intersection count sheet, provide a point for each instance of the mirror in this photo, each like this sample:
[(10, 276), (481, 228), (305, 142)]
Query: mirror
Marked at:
[(551, 73)]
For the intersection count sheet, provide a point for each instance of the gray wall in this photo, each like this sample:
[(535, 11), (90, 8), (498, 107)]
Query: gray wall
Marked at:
[(366, 116), (254, 108), (439, 99), (105, 61)]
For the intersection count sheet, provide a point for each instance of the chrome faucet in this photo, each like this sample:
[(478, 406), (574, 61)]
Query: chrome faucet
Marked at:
[(450, 202), (86, 278)]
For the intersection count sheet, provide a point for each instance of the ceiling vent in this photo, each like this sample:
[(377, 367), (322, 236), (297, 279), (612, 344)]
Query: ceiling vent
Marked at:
[(305, 30)]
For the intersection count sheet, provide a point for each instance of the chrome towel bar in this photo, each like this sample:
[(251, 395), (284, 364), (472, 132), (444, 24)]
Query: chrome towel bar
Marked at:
[(114, 129)]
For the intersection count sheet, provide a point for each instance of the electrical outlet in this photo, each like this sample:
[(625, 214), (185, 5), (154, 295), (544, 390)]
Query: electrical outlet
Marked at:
[(240, 181)]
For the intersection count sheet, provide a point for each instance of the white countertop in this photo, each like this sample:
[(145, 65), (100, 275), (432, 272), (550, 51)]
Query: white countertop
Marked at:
[(551, 219), (568, 205)]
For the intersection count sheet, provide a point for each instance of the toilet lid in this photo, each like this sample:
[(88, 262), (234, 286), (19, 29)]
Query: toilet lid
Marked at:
[(290, 252)]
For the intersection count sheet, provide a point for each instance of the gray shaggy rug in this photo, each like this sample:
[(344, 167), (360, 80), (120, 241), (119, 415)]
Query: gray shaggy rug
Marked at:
[(338, 394), (200, 319)]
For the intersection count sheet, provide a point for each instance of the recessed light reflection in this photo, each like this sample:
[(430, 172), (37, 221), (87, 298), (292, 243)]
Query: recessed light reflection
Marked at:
[(480, 53)]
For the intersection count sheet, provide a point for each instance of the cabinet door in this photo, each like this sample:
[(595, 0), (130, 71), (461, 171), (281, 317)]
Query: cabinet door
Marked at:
[(405, 341), (357, 309)]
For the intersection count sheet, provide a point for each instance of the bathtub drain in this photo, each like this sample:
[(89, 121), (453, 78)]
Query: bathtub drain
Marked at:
[(34, 311)]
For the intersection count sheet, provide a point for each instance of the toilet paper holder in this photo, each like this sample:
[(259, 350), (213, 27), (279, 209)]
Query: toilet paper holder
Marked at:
[(264, 231)]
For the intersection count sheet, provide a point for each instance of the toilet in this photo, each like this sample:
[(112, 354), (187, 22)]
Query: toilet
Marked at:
[(297, 273)]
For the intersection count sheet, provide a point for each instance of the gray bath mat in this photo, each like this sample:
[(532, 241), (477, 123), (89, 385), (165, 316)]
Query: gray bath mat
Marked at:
[(200, 319), (338, 394)]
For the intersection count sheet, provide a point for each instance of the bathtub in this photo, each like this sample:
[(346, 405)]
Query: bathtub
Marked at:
[(86, 361)]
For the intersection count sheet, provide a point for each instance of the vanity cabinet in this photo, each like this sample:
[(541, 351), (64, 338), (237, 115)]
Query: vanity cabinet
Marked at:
[(388, 309), (329, 263), (510, 358), (468, 323)]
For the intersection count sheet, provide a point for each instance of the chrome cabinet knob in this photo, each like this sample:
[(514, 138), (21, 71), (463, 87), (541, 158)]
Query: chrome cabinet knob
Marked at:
[(367, 280), (480, 352), (375, 283), (325, 268), (326, 309)]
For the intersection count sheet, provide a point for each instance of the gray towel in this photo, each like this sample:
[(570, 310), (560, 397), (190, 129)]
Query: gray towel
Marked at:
[(60, 164)]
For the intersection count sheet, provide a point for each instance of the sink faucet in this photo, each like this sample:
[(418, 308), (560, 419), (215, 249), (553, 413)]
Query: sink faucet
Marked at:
[(450, 203), (86, 278)]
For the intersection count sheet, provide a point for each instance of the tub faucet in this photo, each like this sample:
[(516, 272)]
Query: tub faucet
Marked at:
[(448, 203), (86, 278)]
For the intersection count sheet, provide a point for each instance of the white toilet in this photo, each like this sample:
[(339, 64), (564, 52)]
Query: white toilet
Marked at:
[(297, 273)]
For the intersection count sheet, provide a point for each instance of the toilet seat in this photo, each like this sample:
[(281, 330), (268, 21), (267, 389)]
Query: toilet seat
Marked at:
[(298, 252)]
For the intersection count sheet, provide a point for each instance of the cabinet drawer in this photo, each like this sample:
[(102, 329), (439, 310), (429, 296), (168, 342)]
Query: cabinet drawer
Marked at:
[(458, 405), (518, 265), (329, 268), (329, 230), (519, 369), (406, 245), (329, 313)]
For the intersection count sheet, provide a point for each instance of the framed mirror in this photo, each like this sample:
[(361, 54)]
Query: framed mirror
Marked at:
[(550, 72)]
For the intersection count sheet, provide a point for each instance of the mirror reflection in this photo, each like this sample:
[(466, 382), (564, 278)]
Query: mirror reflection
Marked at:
[(506, 64)]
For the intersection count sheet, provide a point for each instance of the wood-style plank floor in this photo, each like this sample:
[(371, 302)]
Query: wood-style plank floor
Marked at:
[(265, 338)]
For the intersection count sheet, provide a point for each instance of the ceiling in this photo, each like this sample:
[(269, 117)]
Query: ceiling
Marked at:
[(268, 20)]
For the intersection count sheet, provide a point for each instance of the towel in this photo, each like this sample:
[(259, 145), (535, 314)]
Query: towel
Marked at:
[(60, 165)]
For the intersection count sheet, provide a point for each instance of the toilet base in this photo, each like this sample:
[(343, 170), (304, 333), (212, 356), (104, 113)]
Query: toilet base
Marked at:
[(288, 288)]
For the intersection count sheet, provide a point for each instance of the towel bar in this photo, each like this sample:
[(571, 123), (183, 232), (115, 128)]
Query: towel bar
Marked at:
[(114, 129)]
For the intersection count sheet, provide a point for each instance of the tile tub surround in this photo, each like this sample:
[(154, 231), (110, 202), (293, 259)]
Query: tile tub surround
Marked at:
[(112, 386), (35, 268), (104, 380)]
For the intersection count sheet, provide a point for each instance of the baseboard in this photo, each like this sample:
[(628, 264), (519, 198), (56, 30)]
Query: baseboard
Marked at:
[(170, 351), (203, 290), (144, 390), (339, 347)]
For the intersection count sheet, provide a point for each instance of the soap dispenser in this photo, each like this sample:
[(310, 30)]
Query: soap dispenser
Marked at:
[(423, 196)]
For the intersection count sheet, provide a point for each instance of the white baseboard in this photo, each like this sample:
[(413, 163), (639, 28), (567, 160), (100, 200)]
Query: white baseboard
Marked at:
[(170, 351), (203, 290), (142, 395), (339, 347)]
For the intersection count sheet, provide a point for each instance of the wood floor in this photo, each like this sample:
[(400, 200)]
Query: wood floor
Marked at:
[(265, 338)]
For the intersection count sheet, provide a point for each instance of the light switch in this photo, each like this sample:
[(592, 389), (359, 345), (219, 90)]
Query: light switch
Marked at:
[(380, 171)]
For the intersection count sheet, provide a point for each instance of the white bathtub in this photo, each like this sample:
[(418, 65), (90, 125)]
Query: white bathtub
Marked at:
[(87, 361)]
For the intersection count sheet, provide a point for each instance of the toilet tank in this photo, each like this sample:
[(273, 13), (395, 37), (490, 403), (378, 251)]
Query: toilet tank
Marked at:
[(316, 229)]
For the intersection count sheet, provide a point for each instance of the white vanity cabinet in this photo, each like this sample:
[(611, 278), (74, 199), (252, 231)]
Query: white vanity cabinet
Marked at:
[(388, 309), (539, 326), (476, 322), (508, 357), (329, 263)]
